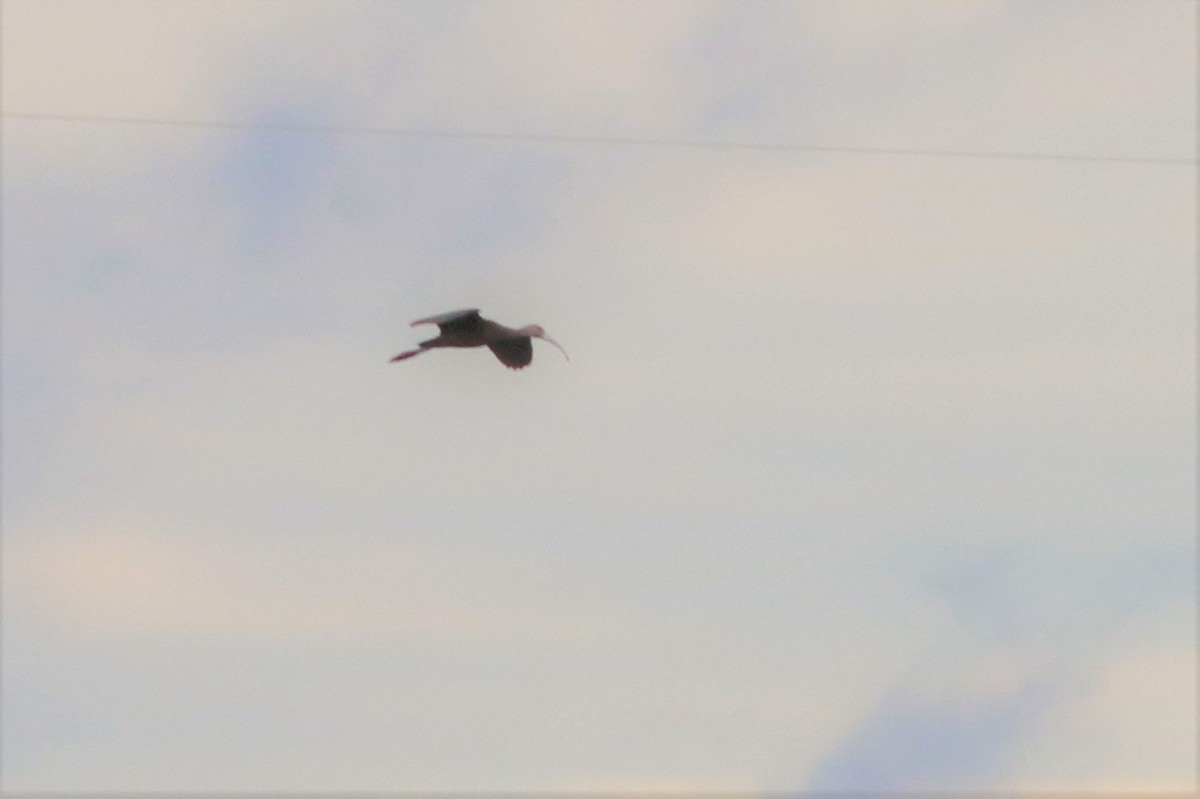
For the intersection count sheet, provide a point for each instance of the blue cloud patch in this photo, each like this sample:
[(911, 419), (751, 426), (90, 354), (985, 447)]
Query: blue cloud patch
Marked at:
[(273, 173), (911, 743)]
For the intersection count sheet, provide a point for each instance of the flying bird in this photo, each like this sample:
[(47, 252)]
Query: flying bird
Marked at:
[(466, 328)]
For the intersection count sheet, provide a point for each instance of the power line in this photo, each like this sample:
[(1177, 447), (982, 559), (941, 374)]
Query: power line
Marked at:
[(610, 141)]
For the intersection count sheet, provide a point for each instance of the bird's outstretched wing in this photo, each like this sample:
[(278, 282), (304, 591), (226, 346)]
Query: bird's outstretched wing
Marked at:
[(515, 353), (465, 320)]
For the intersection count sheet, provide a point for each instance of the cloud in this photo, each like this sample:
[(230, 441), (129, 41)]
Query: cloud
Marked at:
[(1042, 668), (1131, 723), (845, 445), (952, 741), (555, 68), (124, 582), (142, 58), (435, 646)]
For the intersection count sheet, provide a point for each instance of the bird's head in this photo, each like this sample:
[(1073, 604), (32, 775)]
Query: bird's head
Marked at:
[(536, 331)]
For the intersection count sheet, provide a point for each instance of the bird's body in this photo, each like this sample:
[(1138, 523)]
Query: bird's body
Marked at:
[(466, 328)]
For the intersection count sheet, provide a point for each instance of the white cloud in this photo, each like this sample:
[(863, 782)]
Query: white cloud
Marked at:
[(1131, 726), (557, 68), (143, 58), (121, 583), (512, 637), (799, 383)]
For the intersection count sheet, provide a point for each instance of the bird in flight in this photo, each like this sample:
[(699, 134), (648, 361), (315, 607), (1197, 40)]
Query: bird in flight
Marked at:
[(466, 328)]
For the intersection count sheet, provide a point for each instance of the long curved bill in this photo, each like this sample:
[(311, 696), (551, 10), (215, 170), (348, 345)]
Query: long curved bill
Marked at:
[(555, 343)]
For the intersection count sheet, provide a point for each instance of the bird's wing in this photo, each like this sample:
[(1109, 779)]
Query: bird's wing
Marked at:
[(515, 353), (466, 319)]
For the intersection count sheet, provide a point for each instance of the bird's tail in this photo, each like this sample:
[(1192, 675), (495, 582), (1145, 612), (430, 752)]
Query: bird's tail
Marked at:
[(405, 355)]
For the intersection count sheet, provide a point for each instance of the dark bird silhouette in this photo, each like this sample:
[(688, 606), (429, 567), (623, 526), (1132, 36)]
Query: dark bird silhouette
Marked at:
[(514, 347)]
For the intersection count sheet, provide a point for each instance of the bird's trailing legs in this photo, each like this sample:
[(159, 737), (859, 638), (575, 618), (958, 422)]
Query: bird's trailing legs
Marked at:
[(405, 355)]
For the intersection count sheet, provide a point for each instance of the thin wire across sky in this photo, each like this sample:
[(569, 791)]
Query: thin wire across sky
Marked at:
[(599, 141)]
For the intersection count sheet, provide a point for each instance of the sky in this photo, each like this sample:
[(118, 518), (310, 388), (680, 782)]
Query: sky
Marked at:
[(868, 471)]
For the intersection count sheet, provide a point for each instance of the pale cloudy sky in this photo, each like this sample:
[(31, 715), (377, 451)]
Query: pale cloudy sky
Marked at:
[(867, 472)]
